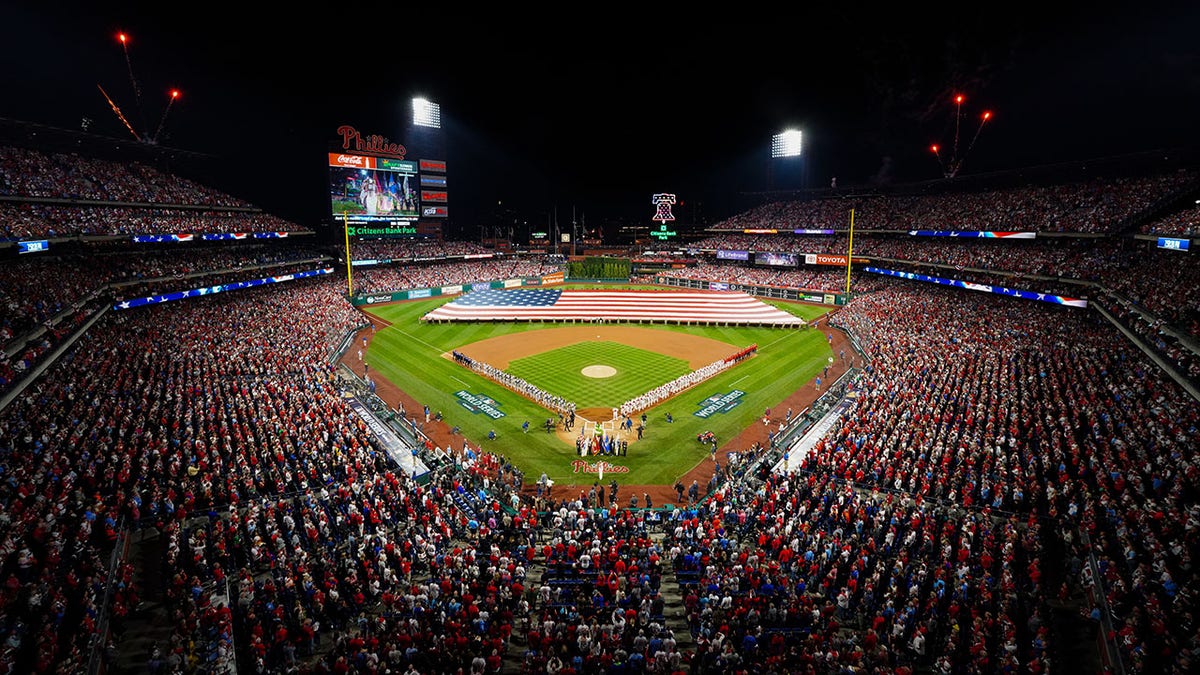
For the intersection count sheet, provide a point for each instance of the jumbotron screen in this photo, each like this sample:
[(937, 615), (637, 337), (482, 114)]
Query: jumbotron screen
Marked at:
[(777, 259), (378, 190)]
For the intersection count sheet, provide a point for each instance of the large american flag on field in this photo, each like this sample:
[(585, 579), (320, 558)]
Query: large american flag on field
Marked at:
[(725, 307)]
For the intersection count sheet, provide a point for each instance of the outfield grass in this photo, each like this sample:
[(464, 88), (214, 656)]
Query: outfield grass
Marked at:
[(559, 372), (409, 354)]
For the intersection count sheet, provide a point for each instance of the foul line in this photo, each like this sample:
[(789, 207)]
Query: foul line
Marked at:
[(459, 381), (416, 339), (781, 338), (738, 380)]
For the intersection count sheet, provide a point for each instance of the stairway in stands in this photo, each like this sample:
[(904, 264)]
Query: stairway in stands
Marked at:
[(674, 613)]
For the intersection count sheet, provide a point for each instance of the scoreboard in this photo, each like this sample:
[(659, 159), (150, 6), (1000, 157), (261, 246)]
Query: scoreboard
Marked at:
[(383, 196)]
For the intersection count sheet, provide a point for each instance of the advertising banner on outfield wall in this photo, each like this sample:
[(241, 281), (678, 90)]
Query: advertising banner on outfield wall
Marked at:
[(555, 278), (830, 259), (512, 283), (452, 290)]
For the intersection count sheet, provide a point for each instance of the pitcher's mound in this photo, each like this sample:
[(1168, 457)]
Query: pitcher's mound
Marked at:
[(599, 371)]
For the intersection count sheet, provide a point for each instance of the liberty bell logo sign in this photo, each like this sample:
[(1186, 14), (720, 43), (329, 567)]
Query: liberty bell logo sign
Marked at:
[(664, 202)]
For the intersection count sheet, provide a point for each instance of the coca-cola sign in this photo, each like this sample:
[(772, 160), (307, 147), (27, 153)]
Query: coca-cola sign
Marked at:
[(351, 161)]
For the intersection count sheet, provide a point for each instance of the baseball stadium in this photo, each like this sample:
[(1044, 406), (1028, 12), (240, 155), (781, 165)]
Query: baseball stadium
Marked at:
[(926, 427)]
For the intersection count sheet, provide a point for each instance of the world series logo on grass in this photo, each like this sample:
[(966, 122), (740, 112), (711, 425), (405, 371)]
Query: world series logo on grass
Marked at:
[(478, 403), (719, 403)]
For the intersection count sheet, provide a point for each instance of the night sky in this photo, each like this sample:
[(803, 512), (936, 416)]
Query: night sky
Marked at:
[(596, 112)]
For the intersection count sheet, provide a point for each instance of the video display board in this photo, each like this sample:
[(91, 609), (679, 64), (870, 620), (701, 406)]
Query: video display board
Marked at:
[(373, 190), (776, 259)]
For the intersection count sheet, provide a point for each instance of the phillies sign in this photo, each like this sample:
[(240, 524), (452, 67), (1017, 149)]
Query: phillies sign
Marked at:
[(380, 145)]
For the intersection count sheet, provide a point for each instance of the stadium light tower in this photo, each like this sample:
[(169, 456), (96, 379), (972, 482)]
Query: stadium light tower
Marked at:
[(426, 113), (787, 144), (786, 159)]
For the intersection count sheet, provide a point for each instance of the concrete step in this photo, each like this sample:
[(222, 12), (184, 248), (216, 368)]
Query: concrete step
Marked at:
[(149, 623)]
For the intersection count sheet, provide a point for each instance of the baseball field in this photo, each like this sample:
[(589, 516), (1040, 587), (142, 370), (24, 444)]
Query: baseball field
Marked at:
[(597, 367)]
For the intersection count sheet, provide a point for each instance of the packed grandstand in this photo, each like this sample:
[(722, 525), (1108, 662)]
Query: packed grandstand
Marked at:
[(1012, 488)]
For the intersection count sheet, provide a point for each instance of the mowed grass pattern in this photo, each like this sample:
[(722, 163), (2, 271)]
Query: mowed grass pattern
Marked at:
[(559, 371), (409, 354)]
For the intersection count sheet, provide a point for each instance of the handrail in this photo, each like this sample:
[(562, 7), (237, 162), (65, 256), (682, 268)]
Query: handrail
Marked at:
[(1111, 652)]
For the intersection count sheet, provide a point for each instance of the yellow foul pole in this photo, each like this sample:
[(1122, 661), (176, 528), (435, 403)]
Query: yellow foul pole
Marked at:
[(349, 267), (850, 252)]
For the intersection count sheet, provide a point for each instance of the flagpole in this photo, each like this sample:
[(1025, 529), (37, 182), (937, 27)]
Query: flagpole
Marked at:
[(349, 266), (850, 252)]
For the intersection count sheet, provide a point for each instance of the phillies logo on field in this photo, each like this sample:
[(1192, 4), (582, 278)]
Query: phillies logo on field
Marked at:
[(583, 466)]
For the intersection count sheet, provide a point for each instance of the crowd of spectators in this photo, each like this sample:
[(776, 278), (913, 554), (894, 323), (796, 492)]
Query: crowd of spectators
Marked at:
[(409, 249), (999, 405), (922, 521), (1159, 281), (217, 424), (1157, 334), (825, 279), (35, 288), (1181, 223), (929, 529), (1097, 205), (31, 173), (125, 430), (404, 277), (1074, 258), (27, 220), (599, 607), (114, 198), (58, 294), (1164, 283)]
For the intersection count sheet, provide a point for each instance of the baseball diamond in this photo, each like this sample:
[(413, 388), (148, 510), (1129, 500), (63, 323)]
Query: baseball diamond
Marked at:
[(547, 359)]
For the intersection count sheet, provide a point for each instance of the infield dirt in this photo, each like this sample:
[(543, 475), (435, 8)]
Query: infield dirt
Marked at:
[(500, 351)]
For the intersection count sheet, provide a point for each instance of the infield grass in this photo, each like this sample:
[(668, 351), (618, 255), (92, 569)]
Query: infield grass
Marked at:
[(560, 371), (409, 354)]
